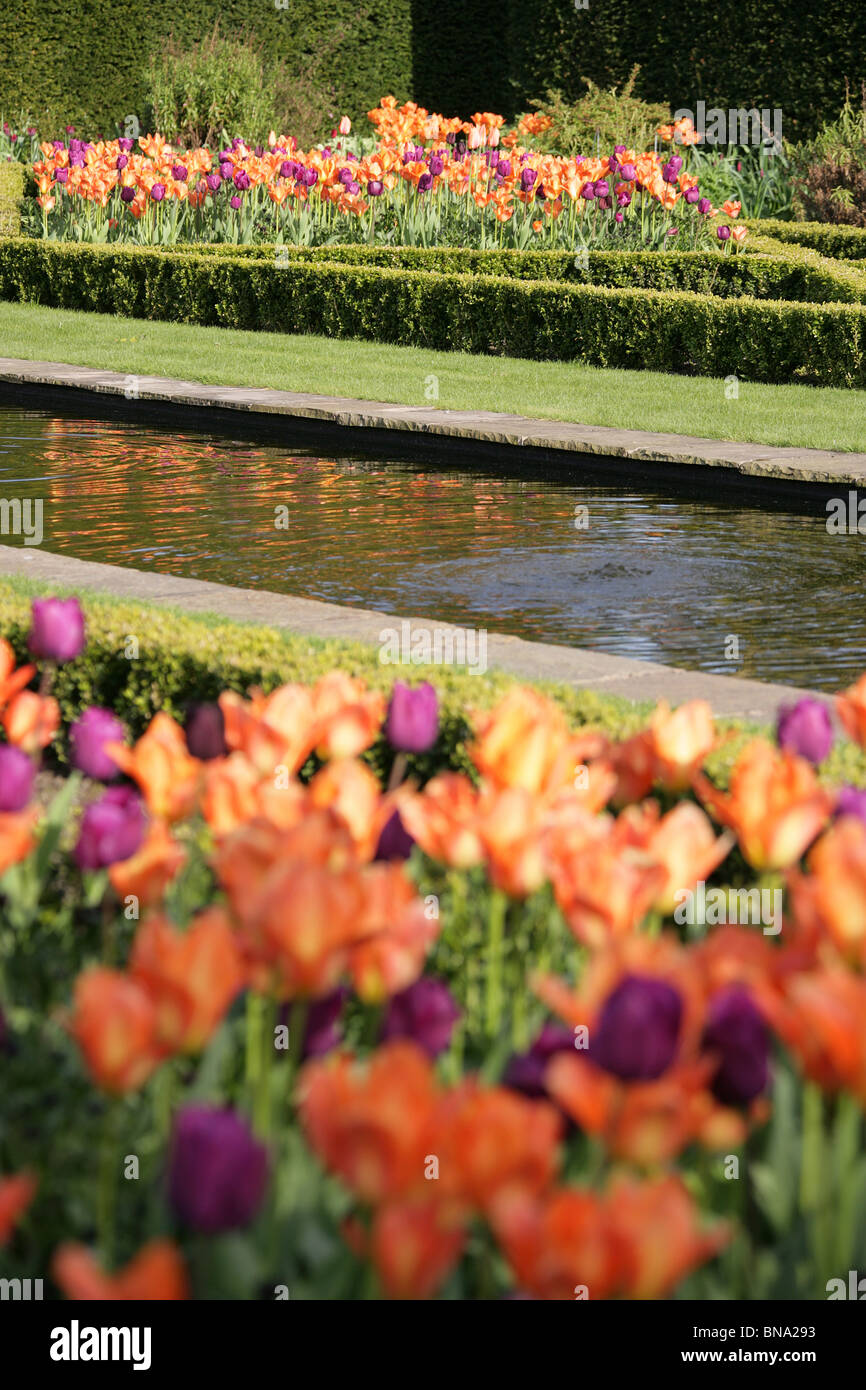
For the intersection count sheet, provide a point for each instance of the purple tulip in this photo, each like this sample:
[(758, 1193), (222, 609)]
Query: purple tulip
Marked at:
[(623, 200), (206, 732), (217, 1170), (805, 728), (214, 182), (628, 172), (226, 170), (436, 165), (637, 1033), (412, 721), (736, 1032), (426, 1012), (235, 202), (669, 173), (425, 183), (157, 193), (395, 842), (525, 1070), (353, 187), (588, 191), (344, 176), (179, 172), (375, 188), (322, 1034), (311, 177), (57, 630), (16, 778), (242, 180), (503, 168), (527, 179), (120, 163), (127, 194), (124, 143), (692, 195), (112, 829), (62, 175), (705, 206), (287, 169), (723, 233), (87, 739), (851, 801)]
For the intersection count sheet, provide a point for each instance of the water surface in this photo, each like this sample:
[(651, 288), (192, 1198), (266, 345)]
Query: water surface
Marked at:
[(658, 575)]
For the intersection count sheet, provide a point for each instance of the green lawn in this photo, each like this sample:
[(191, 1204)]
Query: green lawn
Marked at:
[(814, 417)]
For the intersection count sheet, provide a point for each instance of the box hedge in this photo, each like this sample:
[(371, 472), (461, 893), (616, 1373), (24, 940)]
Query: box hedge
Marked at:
[(759, 340), (781, 272), (11, 194), (830, 239)]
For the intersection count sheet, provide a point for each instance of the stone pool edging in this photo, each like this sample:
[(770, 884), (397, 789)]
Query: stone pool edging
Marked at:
[(824, 467), (536, 661)]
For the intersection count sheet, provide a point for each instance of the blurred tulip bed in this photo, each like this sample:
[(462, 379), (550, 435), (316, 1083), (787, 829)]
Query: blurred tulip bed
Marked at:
[(424, 181), (280, 1020)]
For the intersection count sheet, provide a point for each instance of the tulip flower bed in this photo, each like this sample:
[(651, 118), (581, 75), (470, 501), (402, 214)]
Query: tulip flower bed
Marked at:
[(464, 184), (293, 1006)]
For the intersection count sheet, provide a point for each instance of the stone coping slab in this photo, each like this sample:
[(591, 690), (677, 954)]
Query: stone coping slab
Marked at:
[(834, 468), (535, 661)]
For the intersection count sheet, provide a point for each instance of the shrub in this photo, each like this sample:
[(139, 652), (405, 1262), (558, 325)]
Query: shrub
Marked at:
[(767, 340), (231, 86), (830, 171), (599, 120)]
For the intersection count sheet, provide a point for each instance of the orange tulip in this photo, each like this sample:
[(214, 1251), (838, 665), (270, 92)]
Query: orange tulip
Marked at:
[(148, 872), (350, 790), (11, 681), (163, 768), (31, 720), (680, 741), (371, 1122), (114, 1023), (657, 1224), (560, 1245), (16, 1194), (525, 742), (819, 1016), (492, 1143), (776, 805), (443, 819), (156, 1274), (414, 1247), (605, 890), (17, 837), (683, 842), (191, 976), (851, 708), (829, 903), (236, 792), (392, 935), (348, 716)]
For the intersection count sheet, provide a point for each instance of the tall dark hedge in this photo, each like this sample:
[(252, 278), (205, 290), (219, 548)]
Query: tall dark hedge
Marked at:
[(80, 61)]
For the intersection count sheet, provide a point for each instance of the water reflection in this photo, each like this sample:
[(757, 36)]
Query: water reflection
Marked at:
[(659, 576)]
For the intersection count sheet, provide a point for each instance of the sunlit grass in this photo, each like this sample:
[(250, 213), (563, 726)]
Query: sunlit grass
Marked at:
[(812, 417)]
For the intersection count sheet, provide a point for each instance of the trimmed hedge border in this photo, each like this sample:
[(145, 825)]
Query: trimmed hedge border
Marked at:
[(779, 272), (761, 340), (840, 242)]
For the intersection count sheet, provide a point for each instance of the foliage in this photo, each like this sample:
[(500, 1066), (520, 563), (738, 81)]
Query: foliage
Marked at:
[(598, 120), (830, 170)]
